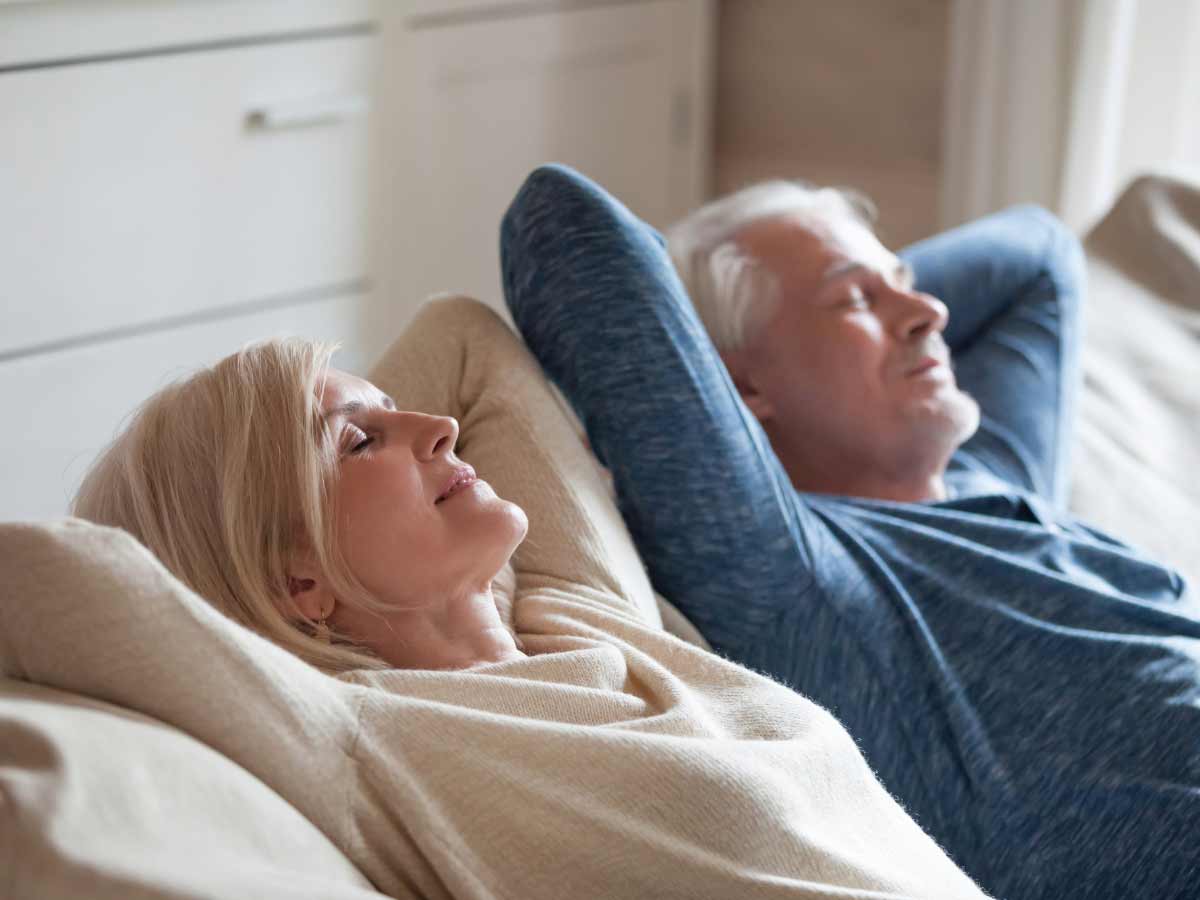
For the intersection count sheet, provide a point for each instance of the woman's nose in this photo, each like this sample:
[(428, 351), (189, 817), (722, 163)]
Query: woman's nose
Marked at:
[(437, 437)]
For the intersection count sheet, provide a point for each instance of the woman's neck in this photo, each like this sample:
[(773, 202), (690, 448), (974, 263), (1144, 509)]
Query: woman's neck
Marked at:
[(459, 633)]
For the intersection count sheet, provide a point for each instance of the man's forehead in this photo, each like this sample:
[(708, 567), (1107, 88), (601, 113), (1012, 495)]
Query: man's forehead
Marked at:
[(800, 224), (814, 246)]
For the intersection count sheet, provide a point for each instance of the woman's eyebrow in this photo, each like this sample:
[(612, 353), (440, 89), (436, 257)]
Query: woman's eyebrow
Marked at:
[(346, 409), (351, 407)]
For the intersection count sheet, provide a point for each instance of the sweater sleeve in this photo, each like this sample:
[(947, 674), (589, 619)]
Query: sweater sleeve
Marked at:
[(459, 358), (89, 610)]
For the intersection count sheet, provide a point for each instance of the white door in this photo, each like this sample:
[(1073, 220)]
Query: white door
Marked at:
[(619, 92)]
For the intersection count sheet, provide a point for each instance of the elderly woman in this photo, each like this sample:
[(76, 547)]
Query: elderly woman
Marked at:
[(459, 732)]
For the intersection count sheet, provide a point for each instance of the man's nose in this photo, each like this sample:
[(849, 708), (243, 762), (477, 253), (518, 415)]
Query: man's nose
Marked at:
[(918, 314)]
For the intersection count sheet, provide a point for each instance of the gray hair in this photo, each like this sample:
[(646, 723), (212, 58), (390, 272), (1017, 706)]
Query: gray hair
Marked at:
[(732, 292)]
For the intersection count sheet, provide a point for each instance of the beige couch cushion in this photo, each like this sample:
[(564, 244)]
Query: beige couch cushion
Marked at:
[(98, 801), (101, 802), (1137, 443)]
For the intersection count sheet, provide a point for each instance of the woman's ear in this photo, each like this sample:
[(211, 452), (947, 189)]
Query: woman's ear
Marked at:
[(741, 371), (309, 593)]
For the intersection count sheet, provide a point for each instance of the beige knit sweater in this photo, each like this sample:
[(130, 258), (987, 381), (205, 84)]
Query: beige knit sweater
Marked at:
[(615, 761)]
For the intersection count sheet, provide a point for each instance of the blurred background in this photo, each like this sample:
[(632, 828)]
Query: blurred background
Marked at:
[(180, 176), (849, 93)]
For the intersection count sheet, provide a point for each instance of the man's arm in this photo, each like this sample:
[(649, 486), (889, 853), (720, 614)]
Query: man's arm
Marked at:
[(593, 291), (1014, 283)]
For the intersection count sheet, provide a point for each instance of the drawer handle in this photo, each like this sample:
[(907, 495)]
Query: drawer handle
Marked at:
[(301, 113)]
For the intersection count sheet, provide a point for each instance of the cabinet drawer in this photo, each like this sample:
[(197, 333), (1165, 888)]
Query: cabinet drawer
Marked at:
[(34, 32), (146, 189), (68, 405)]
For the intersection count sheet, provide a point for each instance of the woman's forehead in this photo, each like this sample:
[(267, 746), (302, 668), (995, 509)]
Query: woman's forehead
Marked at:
[(343, 393)]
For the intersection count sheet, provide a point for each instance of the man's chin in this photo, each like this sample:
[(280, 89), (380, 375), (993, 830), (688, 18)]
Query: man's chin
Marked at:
[(950, 418), (962, 416)]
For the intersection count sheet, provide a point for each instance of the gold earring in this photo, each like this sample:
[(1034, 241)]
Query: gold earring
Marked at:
[(322, 631)]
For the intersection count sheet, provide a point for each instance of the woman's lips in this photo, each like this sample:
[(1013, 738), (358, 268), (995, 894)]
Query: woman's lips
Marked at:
[(460, 478)]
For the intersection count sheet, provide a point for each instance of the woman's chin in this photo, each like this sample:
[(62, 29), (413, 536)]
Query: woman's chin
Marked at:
[(518, 524), (505, 529)]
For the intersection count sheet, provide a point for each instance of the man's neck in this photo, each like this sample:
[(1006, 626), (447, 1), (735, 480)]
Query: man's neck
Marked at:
[(928, 489), (842, 474)]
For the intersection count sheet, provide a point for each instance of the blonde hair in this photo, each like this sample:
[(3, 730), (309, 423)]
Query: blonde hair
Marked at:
[(731, 291), (226, 476)]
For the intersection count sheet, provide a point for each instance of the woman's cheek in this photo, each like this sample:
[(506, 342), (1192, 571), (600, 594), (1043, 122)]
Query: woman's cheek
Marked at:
[(362, 515)]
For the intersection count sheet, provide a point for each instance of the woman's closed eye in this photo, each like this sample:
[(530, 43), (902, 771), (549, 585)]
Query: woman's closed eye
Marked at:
[(357, 440)]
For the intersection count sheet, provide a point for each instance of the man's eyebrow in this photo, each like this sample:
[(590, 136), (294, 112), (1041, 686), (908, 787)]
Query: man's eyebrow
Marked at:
[(837, 271), (903, 271)]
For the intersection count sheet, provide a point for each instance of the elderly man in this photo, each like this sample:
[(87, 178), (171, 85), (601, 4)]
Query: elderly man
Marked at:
[(838, 507)]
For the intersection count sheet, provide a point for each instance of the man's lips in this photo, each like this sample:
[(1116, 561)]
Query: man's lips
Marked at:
[(461, 477), (926, 363)]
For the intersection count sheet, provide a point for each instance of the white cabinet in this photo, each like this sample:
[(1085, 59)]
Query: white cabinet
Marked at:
[(138, 191), (177, 178), (180, 177), (619, 91)]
